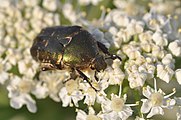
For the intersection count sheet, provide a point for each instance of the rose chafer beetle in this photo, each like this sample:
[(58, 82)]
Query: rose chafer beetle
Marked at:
[(70, 47)]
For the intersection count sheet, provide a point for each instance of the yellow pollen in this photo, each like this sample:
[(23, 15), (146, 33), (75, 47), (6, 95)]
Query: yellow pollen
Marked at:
[(92, 117), (25, 86), (108, 10), (156, 99), (153, 22), (175, 17), (91, 91), (150, 4), (179, 30), (117, 104), (71, 86), (102, 7)]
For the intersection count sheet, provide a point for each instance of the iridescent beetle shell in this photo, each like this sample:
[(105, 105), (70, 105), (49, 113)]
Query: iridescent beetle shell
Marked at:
[(64, 47)]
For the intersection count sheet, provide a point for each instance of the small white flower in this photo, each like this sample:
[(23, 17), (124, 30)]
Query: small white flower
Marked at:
[(4, 67), (158, 51), (69, 13), (159, 38), (113, 30), (23, 99), (49, 19), (19, 93), (112, 74), (129, 7), (116, 17), (175, 47), (136, 79), (50, 84), (166, 7), (115, 108), (155, 101), (132, 51), (122, 35), (13, 56), (147, 68), (50, 4), (4, 76), (81, 115), (84, 2), (30, 3), (178, 75), (95, 2), (164, 72), (116, 74), (168, 60), (120, 19), (154, 21), (87, 2), (135, 27), (146, 47), (27, 67), (146, 36), (40, 91), (90, 96), (138, 71), (70, 93), (5, 3)]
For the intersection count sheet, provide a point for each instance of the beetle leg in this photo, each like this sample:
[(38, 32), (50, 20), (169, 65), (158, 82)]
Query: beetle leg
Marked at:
[(47, 66), (73, 75), (86, 78), (105, 51), (95, 76)]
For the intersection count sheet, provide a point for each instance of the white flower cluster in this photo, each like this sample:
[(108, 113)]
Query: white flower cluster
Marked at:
[(149, 45), (20, 22)]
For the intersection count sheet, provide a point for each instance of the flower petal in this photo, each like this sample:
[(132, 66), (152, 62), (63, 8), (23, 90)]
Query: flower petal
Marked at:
[(147, 91), (178, 75), (154, 111), (24, 99), (146, 106), (168, 103), (81, 115), (127, 111), (66, 100)]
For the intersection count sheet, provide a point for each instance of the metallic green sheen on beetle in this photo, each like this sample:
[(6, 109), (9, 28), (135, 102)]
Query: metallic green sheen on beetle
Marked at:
[(63, 47), (69, 47)]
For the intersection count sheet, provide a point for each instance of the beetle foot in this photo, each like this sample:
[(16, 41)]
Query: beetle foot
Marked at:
[(113, 57), (64, 81)]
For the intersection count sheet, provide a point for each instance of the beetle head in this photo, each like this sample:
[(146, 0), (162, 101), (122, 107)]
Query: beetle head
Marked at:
[(47, 51), (99, 63)]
